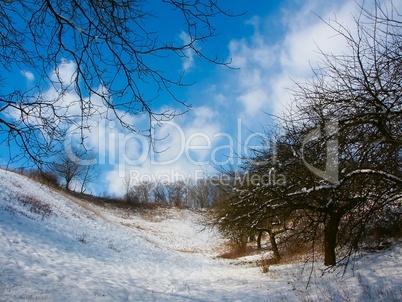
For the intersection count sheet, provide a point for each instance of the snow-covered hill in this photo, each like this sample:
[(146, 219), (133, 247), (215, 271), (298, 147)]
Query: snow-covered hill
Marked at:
[(53, 248)]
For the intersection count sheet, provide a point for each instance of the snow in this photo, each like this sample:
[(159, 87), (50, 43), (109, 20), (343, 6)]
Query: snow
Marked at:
[(81, 252), (180, 230)]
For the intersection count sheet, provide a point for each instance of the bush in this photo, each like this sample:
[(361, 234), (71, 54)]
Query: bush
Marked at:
[(383, 231)]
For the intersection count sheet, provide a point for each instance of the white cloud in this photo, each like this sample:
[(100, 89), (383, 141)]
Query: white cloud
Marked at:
[(188, 59), (64, 72), (268, 69), (182, 150), (28, 75), (253, 100)]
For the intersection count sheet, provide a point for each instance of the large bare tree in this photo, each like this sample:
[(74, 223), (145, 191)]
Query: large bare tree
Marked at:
[(360, 90), (110, 44), (341, 150)]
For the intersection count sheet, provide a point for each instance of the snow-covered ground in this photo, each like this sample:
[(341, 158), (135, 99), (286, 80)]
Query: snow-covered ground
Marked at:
[(55, 249)]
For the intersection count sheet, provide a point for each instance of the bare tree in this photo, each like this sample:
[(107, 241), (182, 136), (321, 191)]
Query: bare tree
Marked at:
[(90, 173), (109, 45), (75, 166), (351, 108), (128, 187), (202, 193), (361, 91), (177, 193), (159, 192), (143, 191), (67, 170)]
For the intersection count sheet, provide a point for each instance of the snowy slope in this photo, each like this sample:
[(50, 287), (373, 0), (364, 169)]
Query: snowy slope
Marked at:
[(180, 230), (53, 249)]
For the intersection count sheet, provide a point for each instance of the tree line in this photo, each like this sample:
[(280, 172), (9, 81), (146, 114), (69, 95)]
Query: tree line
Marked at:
[(200, 194)]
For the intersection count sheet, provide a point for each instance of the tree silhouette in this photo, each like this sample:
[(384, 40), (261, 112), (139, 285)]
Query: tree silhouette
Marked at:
[(107, 47), (355, 100)]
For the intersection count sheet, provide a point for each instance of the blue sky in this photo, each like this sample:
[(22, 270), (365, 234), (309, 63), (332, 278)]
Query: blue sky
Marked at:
[(273, 44)]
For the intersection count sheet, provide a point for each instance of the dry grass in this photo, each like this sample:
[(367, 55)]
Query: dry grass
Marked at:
[(35, 205), (296, 251), (264, 264), (194, 251), (81, 203), (47, 180), (126, 224), (232, 251), (138, 227)]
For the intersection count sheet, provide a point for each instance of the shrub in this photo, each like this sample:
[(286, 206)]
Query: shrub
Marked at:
[(36, 206), (82, 238)]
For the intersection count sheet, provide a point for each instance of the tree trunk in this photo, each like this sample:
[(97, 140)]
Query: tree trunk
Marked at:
[(274, 246), (68, 184), (84, 179), (259, 240), (330, 236)]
